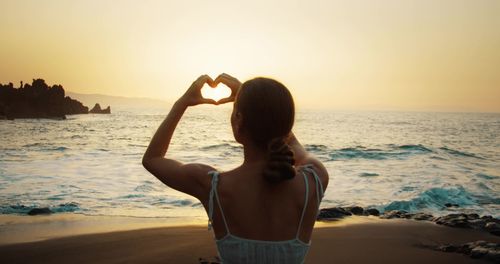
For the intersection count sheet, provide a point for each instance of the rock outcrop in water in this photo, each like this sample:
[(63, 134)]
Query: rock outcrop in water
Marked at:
[(40, 211), (38, 100), (337, 213), (73, 107), (97, 110)]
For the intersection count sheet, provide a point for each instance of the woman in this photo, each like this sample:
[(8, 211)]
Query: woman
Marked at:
[(264, 210)]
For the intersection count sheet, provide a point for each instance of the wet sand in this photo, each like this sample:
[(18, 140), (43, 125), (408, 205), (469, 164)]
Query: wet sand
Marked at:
[(347, 241)]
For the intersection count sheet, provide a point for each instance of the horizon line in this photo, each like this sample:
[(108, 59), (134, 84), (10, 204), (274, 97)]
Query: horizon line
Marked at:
[(307, 108)]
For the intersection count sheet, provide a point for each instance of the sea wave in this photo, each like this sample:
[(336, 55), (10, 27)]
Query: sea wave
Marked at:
[(434, 199), (460, 153), (222, 146), (487, 176), (174, 202), (368, 174), (144, 188), (417, 148), (44, 147), (315, 147), (385, 152), (390, 152), (132, 196)]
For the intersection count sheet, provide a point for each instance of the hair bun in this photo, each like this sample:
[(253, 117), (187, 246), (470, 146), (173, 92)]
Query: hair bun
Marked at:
[(280, 161)]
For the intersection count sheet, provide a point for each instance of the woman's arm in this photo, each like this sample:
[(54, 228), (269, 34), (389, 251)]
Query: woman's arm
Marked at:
[(188, 178), (299, 153), (302, 157)]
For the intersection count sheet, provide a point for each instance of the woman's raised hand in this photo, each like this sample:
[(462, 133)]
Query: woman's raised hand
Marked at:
[(231, 82), (193, 95)]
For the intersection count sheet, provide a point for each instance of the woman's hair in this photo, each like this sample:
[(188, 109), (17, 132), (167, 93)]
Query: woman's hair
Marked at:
[(268, 114)]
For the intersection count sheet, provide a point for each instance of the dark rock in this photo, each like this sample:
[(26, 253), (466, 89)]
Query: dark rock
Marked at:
[(407, 215), (453, 220), (448, 248), (486, 223), (333, 213), (39, 211), (3, 116), (477, 223), (464, 249), (493, 255), (451, 205), (457, 220), (74, 107), (492, 226), (472, 216), (458, 223), (355, 210), (394, 214), (97, 110), (422, 216), (478, 252), (37, 100), (477, 243), (372, 211)]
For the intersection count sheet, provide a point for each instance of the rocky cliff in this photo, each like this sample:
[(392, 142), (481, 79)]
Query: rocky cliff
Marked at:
[(37, 100), (97, 110)]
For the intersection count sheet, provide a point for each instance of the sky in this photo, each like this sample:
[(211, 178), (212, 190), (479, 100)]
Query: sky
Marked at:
[(352, 55)]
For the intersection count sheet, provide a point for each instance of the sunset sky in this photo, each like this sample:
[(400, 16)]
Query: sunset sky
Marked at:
[(357, 55)]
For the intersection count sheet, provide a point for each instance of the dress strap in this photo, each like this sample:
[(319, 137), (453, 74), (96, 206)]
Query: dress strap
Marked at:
[(213, 192), (306, 183), (319, 185)]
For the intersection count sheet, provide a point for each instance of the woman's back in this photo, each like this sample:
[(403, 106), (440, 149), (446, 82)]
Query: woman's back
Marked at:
[(278, 230)]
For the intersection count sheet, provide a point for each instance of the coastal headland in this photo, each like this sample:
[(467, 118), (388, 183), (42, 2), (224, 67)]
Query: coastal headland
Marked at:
[(39, 100)]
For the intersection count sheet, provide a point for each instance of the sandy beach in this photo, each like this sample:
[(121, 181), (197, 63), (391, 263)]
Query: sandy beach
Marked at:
[(352, 240)]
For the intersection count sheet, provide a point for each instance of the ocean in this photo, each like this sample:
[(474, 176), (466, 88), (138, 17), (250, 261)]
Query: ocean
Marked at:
[(91, 164)]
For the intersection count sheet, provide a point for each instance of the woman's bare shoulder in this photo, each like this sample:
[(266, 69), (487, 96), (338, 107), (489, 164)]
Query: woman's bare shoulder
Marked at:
[(318, 167)]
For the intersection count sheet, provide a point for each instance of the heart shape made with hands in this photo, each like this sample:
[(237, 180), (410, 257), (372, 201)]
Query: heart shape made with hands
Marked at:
[(220, 91)]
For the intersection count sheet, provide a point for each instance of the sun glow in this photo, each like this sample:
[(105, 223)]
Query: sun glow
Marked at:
[(217, 93)]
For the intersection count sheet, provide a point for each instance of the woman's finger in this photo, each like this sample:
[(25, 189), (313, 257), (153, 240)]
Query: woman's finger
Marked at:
[(233, 84), (211, 83), (228, 76), (203, 79), (226, 100), (208, 101), (221, 79)]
